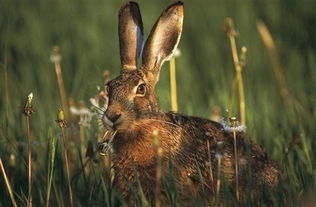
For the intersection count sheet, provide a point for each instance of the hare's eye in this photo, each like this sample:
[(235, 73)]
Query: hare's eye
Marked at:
[(141, 90)]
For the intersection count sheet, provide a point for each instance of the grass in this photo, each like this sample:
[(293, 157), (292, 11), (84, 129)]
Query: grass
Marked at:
[(86, 34)]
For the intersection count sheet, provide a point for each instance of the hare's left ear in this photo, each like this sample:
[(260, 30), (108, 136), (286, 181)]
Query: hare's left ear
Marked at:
[(163, 40), (130, 35)]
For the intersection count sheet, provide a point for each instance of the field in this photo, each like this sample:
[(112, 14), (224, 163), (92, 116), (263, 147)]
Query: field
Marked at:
[(279, 87)]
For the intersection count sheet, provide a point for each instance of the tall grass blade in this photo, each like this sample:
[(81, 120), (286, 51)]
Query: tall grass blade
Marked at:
[(56, 58), (7, 183), (28, 110), (158, 152), (173, 85), (231, 34), (52, 152), (62, 123)]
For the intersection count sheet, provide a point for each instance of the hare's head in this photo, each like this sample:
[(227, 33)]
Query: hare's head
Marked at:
[(131, 94)]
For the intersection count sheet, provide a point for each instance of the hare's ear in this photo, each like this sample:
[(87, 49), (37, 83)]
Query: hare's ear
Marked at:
[(130, 35), (163, 39)]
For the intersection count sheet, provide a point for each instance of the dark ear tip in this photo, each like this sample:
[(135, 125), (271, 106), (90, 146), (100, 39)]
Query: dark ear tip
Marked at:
[(131, 9), (177, 6), (131, 4), (178, 3)]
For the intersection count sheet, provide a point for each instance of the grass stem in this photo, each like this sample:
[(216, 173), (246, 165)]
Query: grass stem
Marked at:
[(52, 150), (218, 182), (210, 164), (7, 104), (29, 149), (28, 110), (55, 58), (67, 166), (173, 85), (158, 152), (239, 81), (7, 183), (234, 124), (219, 155), (62, 123), (231, 34)]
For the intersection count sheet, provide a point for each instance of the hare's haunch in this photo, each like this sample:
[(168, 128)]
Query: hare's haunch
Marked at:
[(187, 145)]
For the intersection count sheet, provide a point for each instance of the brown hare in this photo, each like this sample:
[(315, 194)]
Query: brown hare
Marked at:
[(186, 143)]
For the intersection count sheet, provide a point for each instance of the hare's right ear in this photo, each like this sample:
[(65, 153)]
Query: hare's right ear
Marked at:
[(130, 35), (163, 40)]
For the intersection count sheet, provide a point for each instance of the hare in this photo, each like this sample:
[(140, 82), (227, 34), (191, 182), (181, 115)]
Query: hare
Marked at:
[(187, 143)]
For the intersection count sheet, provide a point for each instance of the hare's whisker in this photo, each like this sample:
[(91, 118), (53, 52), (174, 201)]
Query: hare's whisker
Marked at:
[(100, 110), (105, 133), (170, 123)]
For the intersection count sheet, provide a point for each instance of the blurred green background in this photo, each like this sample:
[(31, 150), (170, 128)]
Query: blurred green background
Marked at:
[(86, 32)]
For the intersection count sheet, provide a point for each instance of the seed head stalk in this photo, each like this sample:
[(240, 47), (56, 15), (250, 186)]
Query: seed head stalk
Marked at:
[(210, 164), (51, 167), (62, 124), (289, 101), (219, 155), (173, 85), (82, 128), (234, 123), (6, 94), (56, 58), (158, 152), (231, 34), (28, 110), (218, 182)]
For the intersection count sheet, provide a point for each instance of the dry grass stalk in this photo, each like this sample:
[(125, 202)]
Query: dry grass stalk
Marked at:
[(52, 152), (158, 152), (6, 94), (210, 164), (56, 58), (231, 34), (28, 110), (62, 123), (82, 129), (7, 182), (234, 124), (288, 100), (173, 85), (277, 68), (219, 156)]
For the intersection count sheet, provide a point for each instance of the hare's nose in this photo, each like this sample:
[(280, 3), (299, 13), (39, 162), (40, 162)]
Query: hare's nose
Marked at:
[(114, 118)]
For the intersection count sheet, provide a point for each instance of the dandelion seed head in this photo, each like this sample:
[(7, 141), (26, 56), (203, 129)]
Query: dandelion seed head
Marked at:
[(218, 156), (177, 53), (73, 110), (30, 96), (244, 49), (155, 132), (208, 134), (12, 160), (55, 55), (228, 127)]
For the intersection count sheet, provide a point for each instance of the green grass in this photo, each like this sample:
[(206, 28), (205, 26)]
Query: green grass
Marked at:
[(87, 35)]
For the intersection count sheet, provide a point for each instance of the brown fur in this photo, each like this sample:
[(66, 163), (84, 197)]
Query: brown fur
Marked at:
[(183, 139)]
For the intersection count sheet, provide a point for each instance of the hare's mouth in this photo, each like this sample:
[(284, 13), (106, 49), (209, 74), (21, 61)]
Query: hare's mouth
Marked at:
[(107, 123), (113, 125)]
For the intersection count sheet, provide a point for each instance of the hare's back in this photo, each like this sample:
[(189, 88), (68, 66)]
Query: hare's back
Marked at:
[(204, 141)]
